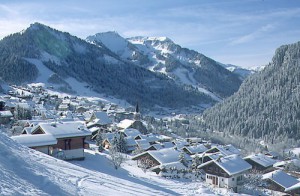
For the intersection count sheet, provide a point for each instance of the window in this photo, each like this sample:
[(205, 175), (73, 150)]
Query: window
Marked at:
[(232, 179), (67, 144)]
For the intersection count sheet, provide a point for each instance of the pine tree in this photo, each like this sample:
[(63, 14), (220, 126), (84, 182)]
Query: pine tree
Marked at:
[(196, 161), (122, 144), (182, 159), (99, 141)]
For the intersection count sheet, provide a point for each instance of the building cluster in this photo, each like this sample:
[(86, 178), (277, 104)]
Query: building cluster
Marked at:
[(63, 126)]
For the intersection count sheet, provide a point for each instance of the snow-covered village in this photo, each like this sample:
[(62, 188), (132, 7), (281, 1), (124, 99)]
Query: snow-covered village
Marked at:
[(140, 97), (114, 142)]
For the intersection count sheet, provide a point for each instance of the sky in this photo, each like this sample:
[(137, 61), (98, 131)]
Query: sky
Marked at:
[(240, 32)]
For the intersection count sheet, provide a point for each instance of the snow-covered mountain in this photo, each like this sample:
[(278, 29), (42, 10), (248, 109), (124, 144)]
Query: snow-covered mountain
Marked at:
[(242, 72), (267, 104), (70, 64), (184, 66)]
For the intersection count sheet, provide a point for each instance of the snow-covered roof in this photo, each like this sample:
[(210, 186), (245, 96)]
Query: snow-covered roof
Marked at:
[(166, 155), (65, 129), (93, 129), (180, 143), (87, 115), (294, 187), (164, 137), (272, 154), (261, 159), (5, 114), (35, 140), (150, 137), (175, 164), (231, 164), (131, 132), (143, 144), (27, 130), (157, 146), (163, 156), (125, 123), (168, 144), (281, 178), (196, 149), (130, 141), (101, 118), (226, 150)]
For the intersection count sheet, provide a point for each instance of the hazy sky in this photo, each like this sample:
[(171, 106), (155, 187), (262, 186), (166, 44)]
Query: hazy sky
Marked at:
[(241, 32)]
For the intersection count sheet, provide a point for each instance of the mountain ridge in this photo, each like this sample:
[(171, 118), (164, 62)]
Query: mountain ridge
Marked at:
[(25, 55), (184, 66)]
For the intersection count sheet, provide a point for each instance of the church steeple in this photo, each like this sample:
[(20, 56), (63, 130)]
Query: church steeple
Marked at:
[(137, 108), (137, 115)]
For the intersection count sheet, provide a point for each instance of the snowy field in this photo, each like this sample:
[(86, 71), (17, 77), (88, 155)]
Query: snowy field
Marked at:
[(24, 171)]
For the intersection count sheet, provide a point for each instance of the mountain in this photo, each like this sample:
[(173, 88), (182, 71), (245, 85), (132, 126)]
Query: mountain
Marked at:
[(267, 105), (242, 72), (184, 66), (43, 54)]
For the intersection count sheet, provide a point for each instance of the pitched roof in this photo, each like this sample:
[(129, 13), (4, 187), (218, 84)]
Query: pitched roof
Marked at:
[(131, 132), (195, 149), (27, 130), (125, 123), (180, 143), (35, 140), (101, 118), (226, 150), (64, 129), (261, 159), (143, 144), (150, 137), (130, 141), (291, 188), (167, 144), (231, 164), (163, 156), (175, 164), (281, 178)]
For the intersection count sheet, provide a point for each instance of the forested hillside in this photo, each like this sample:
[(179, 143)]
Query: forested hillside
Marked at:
[(267, 105)]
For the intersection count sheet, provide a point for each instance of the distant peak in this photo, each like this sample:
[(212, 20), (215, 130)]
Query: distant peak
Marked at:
[(160, 39), (37, 25), (112, 33)]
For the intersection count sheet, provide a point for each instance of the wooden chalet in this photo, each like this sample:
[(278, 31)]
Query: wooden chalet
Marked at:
[(99, 119), (191, 150), (226, 172), (282, 183), (5, 117), (153, 158), (70, 138), (260, 162), (44, 143)]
